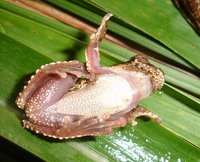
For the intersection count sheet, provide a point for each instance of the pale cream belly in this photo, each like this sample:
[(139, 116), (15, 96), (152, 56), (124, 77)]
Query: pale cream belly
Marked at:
[(110, 93)]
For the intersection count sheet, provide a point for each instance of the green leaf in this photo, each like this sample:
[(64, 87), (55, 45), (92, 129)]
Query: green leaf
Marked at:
[(162, 21), (152, 46), (29, 40)]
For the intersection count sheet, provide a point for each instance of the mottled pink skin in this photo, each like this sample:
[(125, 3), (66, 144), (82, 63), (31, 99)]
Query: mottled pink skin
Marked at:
[(72, 99)]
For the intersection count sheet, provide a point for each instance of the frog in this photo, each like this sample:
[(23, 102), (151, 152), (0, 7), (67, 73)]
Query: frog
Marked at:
[(71, 99)]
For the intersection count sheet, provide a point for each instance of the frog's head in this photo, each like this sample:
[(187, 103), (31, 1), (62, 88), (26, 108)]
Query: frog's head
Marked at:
[(141, 64)]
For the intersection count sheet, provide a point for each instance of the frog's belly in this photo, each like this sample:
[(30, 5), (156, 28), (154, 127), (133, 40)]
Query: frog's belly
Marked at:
[(110, 93)]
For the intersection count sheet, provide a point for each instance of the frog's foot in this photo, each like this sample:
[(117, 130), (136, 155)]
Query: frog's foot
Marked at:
[(141, 111), (74, 67), (86, 125)]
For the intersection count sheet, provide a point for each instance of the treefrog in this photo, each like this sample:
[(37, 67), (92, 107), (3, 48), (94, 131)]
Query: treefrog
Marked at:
[(73, 99)]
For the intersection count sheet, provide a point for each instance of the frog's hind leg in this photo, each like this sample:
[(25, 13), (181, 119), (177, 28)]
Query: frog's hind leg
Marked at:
[(81, 126), (60, 73), (141, 111)]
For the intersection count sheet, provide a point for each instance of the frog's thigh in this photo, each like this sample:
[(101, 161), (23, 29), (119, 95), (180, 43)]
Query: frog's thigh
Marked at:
[(84, 126), (141, 111)]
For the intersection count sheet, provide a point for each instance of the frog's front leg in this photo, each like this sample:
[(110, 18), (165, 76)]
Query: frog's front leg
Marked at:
[(71, 126), (141, 111), (92, 52)]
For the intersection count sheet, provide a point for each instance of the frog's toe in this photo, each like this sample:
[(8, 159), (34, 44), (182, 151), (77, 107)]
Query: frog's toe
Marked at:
[(89, 126)]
